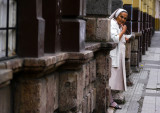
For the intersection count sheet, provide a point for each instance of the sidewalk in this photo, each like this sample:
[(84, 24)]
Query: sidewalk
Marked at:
[(144, 95)]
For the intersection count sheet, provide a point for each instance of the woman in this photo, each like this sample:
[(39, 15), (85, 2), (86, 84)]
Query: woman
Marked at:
[(118, 72)]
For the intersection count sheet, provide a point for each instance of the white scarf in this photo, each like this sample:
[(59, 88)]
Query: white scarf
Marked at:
[(117, 12)]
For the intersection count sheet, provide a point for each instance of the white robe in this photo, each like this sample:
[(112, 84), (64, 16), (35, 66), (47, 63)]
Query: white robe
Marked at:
[(117, 80)]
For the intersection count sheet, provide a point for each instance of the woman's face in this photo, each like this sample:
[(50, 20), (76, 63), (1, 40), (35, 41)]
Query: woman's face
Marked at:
[(122, 17)]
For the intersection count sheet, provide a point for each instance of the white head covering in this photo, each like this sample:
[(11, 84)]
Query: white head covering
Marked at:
[(117, 12)]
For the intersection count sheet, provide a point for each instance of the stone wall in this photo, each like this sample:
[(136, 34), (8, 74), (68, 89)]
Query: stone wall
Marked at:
[(5, 91), (63, 83)]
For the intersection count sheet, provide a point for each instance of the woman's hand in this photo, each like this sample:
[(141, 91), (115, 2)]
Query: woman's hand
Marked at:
[(127, 39), (124, 28)]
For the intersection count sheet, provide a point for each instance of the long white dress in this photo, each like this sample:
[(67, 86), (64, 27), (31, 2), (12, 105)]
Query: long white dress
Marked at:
[(117, 80)]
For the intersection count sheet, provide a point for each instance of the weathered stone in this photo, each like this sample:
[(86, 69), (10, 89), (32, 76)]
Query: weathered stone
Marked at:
[(135, 45), (2, 65), (134, 59), (71, 89), (14, 64), (98, 29), (101, 82), (108, 93), (6, 100), (30, 96), (116, 4), (91, 86), (89, 103), (128, 50), (92, 46), (5, 75), (92, 71), (100, 7), (109, 64), (87, 77), (37, 95), (91, 27), (52, 93), (86, 91), (128, 67), (93, 99), (103, 29), (84, 105)]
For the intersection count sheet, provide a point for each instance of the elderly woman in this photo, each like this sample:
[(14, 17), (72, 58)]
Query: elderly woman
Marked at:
[(118, 72)]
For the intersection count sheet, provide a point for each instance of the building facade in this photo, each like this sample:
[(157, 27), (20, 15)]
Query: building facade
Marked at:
[(54, 54)]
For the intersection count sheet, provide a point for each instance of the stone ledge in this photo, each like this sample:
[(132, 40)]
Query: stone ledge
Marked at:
[(108, 45), (52, 61), (92, 46), (11, 64), (138, 34), (5, 75), (47, 60)]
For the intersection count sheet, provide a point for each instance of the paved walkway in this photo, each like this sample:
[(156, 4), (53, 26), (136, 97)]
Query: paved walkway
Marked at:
[(144, 95)]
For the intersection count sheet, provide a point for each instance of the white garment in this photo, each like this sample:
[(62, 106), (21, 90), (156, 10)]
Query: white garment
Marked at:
[(118, 72)]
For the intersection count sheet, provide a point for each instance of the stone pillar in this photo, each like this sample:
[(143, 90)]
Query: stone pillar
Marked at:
[(128, 59), (31, 28), (98, 26), (77, 91), (73, 26), (150, 12), (145, 28), (98, 30), (6, 103), (36, 90), (116, 4), (128, 6), (52, 15), (136, 54)]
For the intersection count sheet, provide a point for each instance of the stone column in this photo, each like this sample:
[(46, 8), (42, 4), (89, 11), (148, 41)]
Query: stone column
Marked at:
[(145, 28), (36, 87), (73, 25), (52, 13), (127, 4), (103, 65), (77, 91), (98, 30), (150, 12), (6, 100), (116, 4), (31, 28), (136, 54)]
